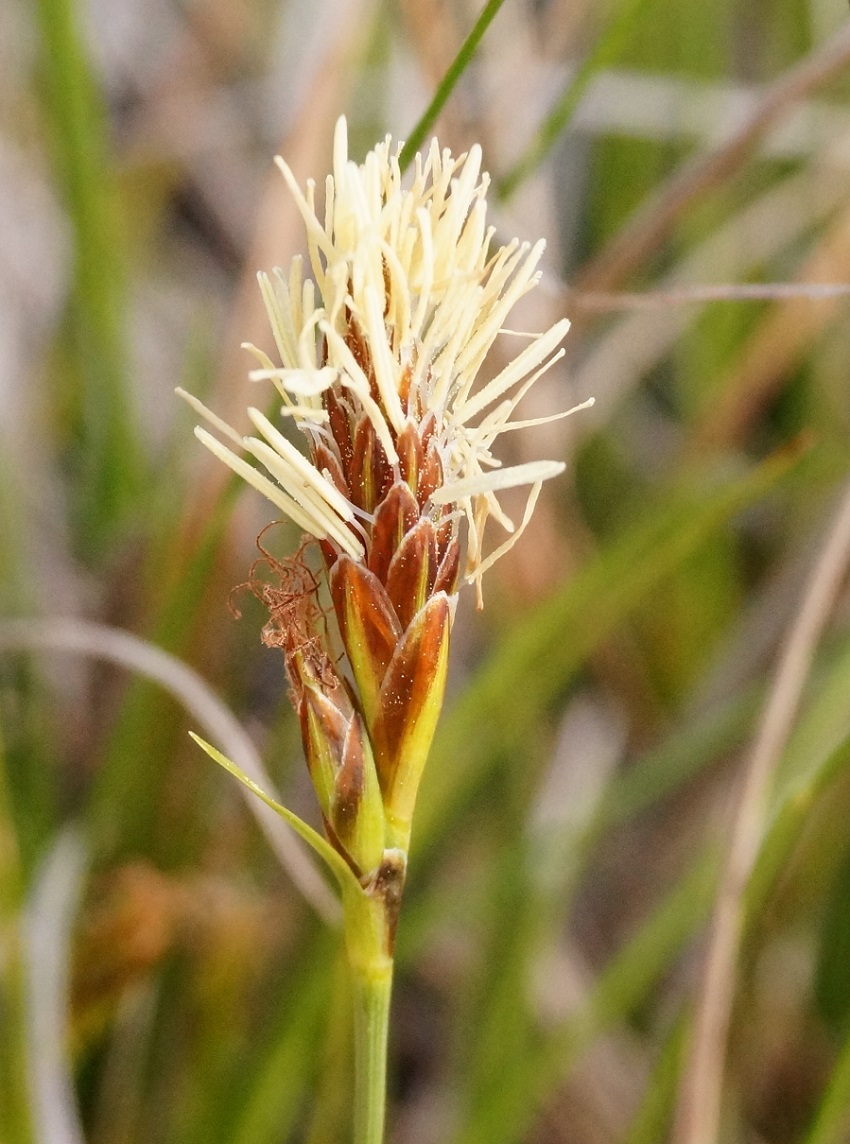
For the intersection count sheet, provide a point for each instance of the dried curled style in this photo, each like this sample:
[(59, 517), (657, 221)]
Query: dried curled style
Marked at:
[(297, 623)]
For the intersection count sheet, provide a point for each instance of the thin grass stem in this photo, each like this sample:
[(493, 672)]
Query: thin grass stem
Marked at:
[(698, 1111), (372, 991), (447, 84), (654, 221)]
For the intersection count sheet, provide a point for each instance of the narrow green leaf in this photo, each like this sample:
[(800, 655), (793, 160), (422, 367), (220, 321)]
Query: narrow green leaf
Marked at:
[(638, 967), (683, 755), (15, 1119), (832, 974), (832, 1121), (107, 453), (271, 1085), (330, 1117), (617, 990), (29, 780), (652, 1121), (825, 723), (335, 862), (122, 807), (788, 821), (505, 1112), (500, 1025), (417, 136)]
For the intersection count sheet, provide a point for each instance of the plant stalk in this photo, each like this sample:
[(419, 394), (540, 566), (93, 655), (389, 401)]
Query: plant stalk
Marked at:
[(371, 1022), (370, 915)]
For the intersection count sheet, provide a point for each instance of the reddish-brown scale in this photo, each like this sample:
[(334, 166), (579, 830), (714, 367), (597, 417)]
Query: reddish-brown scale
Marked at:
[(447, 573), (444, 531), (371, 474), (361, 478), (328, 463), (396, 515), (412, 571), (407, 687), (340, 428), (338, 846), (348, 789), (411, 455), (357, 342), (356, 590), (327, 715), (329, 553), (427, 428), (431, 473), (404, 387)]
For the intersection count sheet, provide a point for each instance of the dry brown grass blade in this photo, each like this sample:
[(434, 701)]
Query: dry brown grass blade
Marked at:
[(698, 1112), (760, 232), (51, 913), (779, 343), (714, 292), (656, 218)]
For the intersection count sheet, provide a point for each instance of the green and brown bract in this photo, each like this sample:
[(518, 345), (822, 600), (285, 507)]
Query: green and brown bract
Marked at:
[(366, 744), (380, 352), (394, 608)]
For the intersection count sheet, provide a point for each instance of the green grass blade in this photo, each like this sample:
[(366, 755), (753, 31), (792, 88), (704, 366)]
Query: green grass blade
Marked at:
[(447, 85), (330, 1119), (504, 1113), (272, 1084), (832, 1122), (500, 1026), (30, 762), (94, 358), (122, 808), (15, 1121), (824, 724), (652, 1121), (683, 755), (832, 972), (789, 820)]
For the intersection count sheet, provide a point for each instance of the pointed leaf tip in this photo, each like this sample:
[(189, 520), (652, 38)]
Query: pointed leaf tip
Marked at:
[(337, 865)]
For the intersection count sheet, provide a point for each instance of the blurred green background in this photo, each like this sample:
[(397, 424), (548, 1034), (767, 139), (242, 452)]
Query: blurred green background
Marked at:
[(161, 979)]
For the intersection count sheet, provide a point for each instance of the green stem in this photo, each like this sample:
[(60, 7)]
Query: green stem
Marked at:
[(370, 915), (371, 1023), (15, 1114), (456, 69)]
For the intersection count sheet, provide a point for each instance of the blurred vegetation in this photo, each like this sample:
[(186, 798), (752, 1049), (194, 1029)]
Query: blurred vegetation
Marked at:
[(160, 977)]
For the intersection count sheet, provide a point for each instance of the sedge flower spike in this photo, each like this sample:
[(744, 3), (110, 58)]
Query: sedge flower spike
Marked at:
[(380, 346), (379, 352)]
